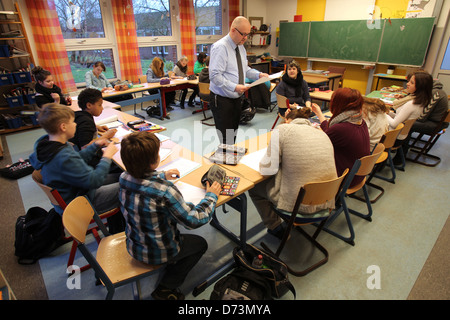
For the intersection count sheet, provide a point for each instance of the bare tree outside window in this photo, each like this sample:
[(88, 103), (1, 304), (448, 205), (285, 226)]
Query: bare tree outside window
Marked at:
[(80, 19), (152, 18), (208, 17)]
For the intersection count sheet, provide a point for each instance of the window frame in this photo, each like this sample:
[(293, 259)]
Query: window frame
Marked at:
[(209, 39)]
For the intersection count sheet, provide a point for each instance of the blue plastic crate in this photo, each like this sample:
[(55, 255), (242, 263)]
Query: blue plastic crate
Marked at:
[(14, 123), (4, 50), (15, 101), (22, 77), (6, 78), (30, 98)]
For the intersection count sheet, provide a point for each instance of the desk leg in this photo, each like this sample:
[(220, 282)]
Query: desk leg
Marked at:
[(163, 103), (240, 204)]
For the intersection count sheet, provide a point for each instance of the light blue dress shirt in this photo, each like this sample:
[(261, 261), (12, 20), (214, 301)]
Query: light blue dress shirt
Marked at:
[(96, 83), (223, 69)]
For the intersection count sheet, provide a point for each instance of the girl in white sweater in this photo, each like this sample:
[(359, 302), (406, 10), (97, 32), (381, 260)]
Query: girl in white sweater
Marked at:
[(420, 85)]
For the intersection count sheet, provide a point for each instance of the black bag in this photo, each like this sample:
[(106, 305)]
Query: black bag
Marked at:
[(274, 270), (17, 170), (241, 284), (248, 112), (37, 234)]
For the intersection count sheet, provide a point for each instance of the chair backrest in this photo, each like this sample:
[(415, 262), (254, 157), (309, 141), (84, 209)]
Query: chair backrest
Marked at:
[(52, 194), (143, 79), (334, 69), (272, 86), (282, 101), (368, 162), (408, 124), (203, 88), (77, 216), (316, 193), (390, 136), (447, 116)]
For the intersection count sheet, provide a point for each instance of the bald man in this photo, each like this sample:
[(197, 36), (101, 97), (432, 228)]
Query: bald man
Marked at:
[(228, 68)]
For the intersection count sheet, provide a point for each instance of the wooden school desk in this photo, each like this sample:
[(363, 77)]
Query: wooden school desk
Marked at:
[(175, 84), (237, 202), (105, 104), (389, 77), (316, 78)]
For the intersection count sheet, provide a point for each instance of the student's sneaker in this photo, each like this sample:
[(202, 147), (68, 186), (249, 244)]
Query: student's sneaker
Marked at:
[(162, 293)]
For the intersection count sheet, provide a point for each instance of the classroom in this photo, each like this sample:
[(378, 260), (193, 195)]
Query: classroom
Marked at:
[(400, 254)]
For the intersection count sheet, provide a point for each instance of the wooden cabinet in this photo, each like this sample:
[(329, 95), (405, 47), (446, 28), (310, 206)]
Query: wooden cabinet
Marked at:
[(16, 85)]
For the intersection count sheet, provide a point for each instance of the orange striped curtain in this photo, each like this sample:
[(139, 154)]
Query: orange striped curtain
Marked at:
[(187, 27), (233, 10), (126, 37), (50, 47)]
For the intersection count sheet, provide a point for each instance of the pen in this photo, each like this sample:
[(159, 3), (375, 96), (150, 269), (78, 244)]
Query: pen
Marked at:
[(175, 176)]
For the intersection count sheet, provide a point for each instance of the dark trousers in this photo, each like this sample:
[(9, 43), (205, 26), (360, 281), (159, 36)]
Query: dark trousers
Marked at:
[(191, 98), (227, 114), (192, 249)]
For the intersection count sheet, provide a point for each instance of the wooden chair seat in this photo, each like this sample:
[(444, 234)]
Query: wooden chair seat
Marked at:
[(118, 264), (113, 265)]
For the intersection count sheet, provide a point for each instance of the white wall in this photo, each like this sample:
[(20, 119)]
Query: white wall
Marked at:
[(272, 12)]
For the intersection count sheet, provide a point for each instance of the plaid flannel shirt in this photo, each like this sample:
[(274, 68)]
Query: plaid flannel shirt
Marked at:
[(152, 207)]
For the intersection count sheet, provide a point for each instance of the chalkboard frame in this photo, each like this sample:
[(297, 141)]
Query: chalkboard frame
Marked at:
[(381, 49)]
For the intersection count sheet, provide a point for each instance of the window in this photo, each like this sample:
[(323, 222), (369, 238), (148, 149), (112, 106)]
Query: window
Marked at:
[(208, 17), (83, 60), (153, 18), (87, 29), (167, 53), (80, 18)]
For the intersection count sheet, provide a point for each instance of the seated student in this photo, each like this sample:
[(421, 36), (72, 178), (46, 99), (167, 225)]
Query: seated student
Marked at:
[(374, 113), (298, 153), (430, 116), (95, 79), (419, 86), (293, 87), (180, 71), (90, 102), (155, 73), (200, 63), (203, 77), (68, 171), (153, 206), (46, 90), (346, 129)]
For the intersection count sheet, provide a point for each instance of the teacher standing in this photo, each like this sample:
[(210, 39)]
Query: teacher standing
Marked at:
[(228, 69)]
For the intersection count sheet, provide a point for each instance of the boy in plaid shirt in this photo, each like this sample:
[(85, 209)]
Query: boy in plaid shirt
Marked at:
[(153, 206)]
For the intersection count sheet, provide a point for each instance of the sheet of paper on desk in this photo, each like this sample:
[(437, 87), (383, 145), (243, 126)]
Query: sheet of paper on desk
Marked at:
[(162, 137), (253, 159), (183, 165), (164, 153), (122, 132), (191, 193), (107, 120)]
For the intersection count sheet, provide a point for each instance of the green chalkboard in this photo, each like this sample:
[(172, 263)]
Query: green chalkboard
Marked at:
[(294, 39), (405, 41), (344, 40)]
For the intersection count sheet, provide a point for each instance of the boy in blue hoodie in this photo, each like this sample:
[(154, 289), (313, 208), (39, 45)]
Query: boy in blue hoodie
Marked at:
[(67, 170)]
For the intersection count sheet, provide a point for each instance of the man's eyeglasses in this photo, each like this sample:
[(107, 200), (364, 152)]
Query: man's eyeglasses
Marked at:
[(242, 34)]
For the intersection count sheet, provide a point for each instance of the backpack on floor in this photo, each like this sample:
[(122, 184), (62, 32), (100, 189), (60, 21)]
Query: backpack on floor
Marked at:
[(241, 284), (37, 234), (248, 111)]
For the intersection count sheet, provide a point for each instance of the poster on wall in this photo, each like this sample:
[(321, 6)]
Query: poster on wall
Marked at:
[(420, 8)]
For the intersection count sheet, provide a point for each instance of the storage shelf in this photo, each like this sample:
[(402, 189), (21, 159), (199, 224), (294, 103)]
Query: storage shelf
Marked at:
[(14, 62)]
